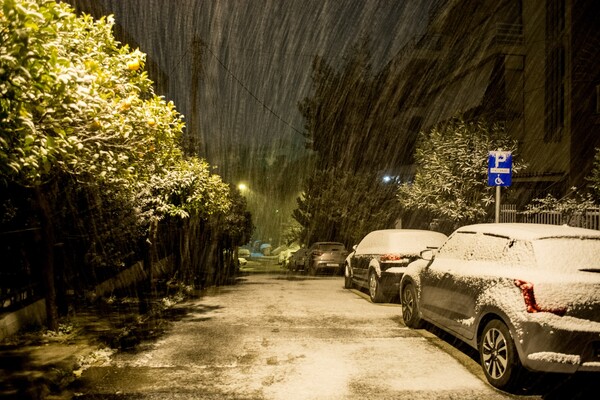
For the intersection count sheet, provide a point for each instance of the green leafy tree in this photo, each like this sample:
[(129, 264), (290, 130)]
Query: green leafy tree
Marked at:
[(577, 203), (349, 120), (338, 115), (76, 106), (185, 188), (237, 226), (344, 198), (570, 207), (450, 182), (341, 206), (233, 229), (594, 177), (187, 195), (75, 101)]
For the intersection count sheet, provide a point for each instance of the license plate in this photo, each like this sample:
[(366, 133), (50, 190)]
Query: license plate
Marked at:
[(331, 265)]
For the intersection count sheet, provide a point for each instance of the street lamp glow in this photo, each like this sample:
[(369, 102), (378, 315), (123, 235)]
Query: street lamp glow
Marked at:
[(242, 187)]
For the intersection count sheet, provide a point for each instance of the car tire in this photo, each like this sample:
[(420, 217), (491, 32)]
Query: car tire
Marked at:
[(498, 356), (312, 271), (410, 307), (375, 291), (348, 284)]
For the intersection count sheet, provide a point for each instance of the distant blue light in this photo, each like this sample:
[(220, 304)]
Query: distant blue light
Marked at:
[(390, 179)]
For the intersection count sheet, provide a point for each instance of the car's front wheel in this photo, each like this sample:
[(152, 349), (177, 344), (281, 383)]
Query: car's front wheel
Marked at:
[(347, 278), (499, 357), (375, 290), (410, 308)]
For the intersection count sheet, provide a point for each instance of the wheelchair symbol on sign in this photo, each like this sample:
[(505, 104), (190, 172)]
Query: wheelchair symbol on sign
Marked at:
[(499, 181)]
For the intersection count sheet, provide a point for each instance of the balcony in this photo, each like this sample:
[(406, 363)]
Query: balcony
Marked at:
[(508, 34)]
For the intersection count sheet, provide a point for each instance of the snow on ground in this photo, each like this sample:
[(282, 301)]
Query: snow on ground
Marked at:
[(303, 340)]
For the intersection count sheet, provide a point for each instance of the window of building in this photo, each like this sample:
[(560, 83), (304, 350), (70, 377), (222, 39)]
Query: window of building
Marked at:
[(555, 71)]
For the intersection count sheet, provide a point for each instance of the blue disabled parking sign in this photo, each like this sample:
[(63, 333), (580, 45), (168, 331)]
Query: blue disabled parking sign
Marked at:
[(499, 168)]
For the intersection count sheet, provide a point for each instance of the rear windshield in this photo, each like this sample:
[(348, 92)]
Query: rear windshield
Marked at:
[(568, 254), (331, 247), (402, 242)]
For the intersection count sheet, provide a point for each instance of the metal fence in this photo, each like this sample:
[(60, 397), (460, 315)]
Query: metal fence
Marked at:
[(590, 218)]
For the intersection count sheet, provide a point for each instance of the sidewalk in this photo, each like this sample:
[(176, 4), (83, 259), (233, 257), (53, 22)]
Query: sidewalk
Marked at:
[(42, 364), (33, 365)]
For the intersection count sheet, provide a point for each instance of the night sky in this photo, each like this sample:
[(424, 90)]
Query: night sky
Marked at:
[(240, 100)]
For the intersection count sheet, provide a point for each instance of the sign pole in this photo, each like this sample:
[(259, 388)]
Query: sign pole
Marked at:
[(497, 204)]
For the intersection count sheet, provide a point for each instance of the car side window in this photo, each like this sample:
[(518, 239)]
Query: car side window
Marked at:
[(460, 245), (490, 248), (365, 244)]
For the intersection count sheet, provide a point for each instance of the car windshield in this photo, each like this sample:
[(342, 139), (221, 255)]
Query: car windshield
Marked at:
[(568, 254), (331, 247)]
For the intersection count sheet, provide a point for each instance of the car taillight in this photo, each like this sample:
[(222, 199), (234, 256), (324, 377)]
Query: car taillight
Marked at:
[(531, 304), (392, 257), (317, 253)]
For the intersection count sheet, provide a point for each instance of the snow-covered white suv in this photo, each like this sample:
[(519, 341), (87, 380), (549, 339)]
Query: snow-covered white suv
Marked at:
[(526, 296)]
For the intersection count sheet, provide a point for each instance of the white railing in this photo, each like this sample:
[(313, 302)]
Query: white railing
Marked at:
[(590, 218)]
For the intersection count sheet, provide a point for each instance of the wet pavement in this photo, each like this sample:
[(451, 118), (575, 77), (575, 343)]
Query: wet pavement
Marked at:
[(271, 335), (41, 364), (289, 337), (38, 364)]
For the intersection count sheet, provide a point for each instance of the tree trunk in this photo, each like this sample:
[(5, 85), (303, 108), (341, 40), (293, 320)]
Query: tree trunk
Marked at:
[(47, 248), (146, 286), (182, 257)]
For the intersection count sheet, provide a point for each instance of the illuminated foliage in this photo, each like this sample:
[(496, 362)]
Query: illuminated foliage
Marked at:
[(82, 129), (451, 171)]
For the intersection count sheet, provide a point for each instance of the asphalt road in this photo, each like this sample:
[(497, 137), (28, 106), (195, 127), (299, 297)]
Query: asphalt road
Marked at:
[(281, 336)]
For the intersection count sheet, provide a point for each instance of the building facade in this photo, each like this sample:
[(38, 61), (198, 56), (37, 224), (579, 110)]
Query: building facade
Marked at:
[(532, 66)]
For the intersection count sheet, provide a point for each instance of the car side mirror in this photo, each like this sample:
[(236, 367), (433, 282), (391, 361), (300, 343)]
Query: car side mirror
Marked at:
[(427, 254), (354, 247)]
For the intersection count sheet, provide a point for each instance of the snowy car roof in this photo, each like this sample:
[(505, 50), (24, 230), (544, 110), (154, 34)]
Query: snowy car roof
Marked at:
[(526, 231), (409, 241)]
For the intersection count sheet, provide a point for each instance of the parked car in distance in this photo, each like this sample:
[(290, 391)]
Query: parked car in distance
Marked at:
[(526, 296), (325, 256), (283, 256), (243, 253), (297, 260), (379, 260), (243, 256)]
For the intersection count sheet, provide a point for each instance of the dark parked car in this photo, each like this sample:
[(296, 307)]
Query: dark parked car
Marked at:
[(297, 260), (526, 296), (325, 256), (379, 260)]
